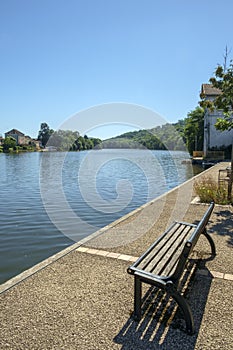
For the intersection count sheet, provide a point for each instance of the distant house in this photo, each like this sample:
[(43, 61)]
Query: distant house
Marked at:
[(36, 143), (1, 140), (17, 135), (213, 138), (23, 140), (27, 140)]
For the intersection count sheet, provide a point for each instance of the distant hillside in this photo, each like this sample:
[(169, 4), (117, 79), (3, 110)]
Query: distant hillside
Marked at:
[(167, 136)]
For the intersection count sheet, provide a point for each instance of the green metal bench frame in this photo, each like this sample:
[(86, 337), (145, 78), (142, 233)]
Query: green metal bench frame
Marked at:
[(163, 264)]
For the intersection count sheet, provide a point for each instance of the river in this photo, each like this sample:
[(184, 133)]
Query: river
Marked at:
[(49, 200)]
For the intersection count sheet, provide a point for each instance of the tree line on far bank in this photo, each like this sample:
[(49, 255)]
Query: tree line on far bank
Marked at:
[(186, 134), (183, 135), (66, 140)]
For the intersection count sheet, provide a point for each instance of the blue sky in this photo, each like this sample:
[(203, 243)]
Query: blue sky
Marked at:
[(59, 57)]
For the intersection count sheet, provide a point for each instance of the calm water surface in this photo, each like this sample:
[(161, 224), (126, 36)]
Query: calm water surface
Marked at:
[(50, 200)]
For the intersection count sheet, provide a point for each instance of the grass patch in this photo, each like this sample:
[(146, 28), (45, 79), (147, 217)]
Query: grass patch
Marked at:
[(208, 190)]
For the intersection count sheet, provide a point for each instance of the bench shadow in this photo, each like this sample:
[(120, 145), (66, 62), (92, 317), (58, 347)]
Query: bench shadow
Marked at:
[(162, 325), (223, 225)]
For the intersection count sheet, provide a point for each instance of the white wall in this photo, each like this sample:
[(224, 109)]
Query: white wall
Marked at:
[(213, 137)]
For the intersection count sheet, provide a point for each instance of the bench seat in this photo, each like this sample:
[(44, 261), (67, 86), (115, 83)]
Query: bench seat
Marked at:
[(164, 256)]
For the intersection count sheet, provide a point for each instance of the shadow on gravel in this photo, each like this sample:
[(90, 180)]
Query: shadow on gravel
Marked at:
[(223, 225), (162, 325)]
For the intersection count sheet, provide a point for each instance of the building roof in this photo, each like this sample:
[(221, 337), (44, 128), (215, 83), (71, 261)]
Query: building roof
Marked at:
[(14, 131), (209, 90)]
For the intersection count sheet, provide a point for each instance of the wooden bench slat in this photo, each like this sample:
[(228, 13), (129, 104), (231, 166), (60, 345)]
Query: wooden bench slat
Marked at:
[(166, 254), (160, 252), (157, 247), (173, 255)]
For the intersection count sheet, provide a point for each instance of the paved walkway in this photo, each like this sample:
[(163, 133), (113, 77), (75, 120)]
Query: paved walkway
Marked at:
[(82, 298)]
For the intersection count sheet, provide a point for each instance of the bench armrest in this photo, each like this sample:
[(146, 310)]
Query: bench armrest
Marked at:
[(150, 277)]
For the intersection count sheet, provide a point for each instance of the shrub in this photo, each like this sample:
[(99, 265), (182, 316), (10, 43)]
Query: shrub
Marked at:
[(208, 190)]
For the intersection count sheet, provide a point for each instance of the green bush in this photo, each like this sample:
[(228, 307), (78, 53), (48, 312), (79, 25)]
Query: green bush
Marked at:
[(208, 190)]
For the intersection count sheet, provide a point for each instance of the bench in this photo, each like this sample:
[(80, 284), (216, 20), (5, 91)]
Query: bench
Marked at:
[(163, 264)]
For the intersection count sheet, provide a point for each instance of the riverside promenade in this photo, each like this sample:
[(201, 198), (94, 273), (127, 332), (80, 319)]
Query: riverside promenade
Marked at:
[(82, 298)]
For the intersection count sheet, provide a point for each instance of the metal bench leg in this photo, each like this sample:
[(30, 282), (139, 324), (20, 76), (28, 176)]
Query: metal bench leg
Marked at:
[(171, 289), (137, 298), (211, 242)]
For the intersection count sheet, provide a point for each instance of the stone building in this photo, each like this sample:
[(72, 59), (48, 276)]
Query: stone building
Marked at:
[(213, 138), (17, 135)]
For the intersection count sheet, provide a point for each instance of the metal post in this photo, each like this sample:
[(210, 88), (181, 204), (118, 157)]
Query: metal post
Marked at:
[(137, 298), (231, 175)]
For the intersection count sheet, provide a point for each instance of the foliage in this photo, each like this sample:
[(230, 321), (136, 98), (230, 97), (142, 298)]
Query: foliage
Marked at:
[(171, 135), (62, 139), (223, 80), (193, 131), (163, 137), (9, 143), (67, 140), (185, 133), (208, 190), (44, 133), (85, 143), (135, 139)]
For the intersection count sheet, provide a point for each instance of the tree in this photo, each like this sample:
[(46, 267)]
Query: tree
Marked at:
[(44, 133), (193, 130), (9, 142), (96, 143), (223, 80)]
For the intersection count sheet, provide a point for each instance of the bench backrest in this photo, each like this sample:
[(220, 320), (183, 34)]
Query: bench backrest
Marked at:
[(191, 242), (202, 225)]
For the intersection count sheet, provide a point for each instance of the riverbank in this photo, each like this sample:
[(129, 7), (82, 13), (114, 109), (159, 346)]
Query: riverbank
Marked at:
[(84, 298)]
